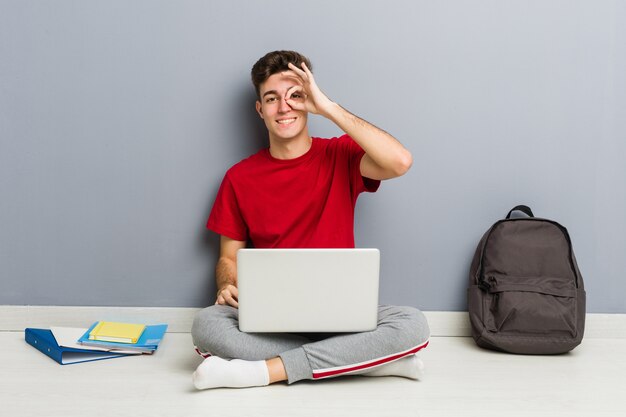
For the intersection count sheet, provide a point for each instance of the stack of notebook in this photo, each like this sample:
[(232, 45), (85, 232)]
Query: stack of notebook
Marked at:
[(103, 340), (136, 337)]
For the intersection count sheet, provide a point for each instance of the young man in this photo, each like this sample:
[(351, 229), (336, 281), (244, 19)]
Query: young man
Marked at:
[(300, 193)]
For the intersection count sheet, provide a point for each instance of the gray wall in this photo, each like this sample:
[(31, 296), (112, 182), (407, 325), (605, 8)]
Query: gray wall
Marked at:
[(118, 120)]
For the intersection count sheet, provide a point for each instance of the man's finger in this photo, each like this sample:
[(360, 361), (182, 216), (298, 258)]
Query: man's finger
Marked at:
[(232, 301), (294, 89), (307, 70), (298, 71), (232, 293), (296, 105), (291, 90)]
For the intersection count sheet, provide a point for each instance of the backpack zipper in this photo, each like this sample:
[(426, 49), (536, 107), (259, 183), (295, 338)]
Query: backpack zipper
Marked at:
[(486, 284)]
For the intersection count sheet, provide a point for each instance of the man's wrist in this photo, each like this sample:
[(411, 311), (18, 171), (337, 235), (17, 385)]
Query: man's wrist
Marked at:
[(334, 112), (345, 120)]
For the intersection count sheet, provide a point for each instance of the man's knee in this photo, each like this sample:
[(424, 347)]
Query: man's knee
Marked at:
[(420, 330), (209, 327), (411, 325)]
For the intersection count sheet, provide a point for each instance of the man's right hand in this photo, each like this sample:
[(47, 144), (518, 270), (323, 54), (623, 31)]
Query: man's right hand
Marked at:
[(228, 296)]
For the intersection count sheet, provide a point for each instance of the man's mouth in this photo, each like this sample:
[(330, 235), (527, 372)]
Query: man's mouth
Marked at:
[(286, 121)]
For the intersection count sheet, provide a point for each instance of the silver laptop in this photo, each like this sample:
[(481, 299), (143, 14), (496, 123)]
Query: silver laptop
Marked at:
[(308, 290)]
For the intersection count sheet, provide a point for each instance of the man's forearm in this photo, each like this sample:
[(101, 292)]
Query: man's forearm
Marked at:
[(225, 273), (382, 148)]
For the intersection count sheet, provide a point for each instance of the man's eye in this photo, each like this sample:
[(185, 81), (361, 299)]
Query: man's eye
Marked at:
[(296, 95), (270, 99)]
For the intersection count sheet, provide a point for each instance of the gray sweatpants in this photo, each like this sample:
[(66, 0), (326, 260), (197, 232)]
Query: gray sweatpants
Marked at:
[(401, 331)]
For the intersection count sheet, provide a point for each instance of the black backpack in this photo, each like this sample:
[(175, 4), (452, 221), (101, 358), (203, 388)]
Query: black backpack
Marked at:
[(526, 294)]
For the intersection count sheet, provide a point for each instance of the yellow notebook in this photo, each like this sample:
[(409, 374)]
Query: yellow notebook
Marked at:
[(108, 331)]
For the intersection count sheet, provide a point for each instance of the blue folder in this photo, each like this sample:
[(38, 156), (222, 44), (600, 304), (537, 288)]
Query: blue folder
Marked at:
[(44, 341)]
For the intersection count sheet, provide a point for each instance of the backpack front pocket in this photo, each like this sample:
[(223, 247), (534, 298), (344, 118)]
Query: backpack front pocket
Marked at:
[(530, 305)]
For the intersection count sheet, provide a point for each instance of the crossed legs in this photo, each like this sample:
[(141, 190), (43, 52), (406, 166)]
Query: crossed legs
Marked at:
[(263, 358)]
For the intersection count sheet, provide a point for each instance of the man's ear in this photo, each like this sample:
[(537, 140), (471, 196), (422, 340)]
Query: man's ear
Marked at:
[(259, 109)]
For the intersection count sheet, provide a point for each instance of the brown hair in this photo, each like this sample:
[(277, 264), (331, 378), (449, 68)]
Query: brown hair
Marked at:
[(273, 63)]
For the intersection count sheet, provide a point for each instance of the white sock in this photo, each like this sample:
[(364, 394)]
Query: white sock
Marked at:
[(215, 372), (408, 367)]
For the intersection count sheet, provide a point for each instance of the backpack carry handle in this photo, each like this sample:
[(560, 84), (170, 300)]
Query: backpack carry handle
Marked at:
[(524, 209)]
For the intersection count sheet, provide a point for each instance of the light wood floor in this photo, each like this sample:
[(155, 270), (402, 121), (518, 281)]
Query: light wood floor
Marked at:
[(461, 380)]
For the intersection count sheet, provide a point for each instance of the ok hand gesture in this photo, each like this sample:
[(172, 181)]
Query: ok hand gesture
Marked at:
[(310, 97)]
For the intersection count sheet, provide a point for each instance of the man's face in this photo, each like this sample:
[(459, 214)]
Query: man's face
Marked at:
[(283, 122)]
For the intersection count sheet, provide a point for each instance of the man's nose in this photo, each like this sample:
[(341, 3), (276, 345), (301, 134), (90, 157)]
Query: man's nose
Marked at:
[(284, 107)]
